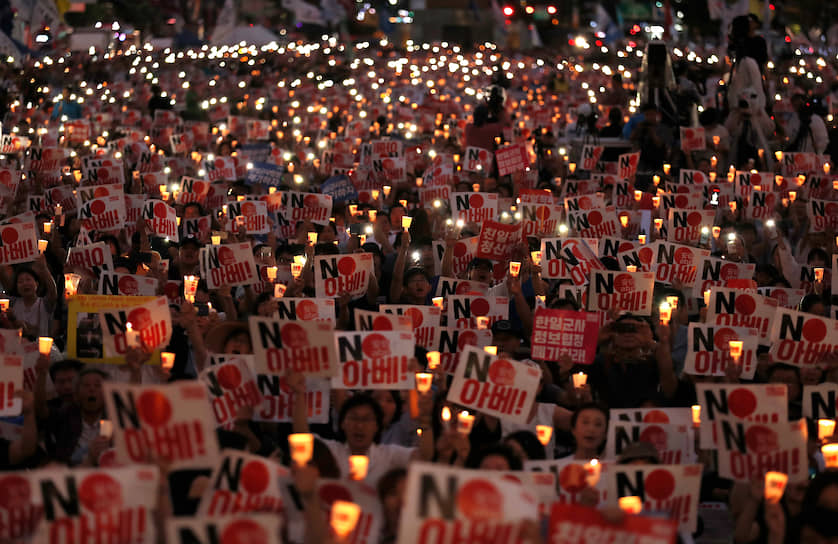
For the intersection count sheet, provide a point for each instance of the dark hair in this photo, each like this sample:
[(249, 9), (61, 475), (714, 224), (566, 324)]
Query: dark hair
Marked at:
[(415, 271), (63, 366), (502, 450), (24, 270), (817, 252), (194, 205), (529, 443), (588, 406), (397, 399), (356, 401), (817, 517), (262, 297), (87, 371), (808, 301), (390, 481)]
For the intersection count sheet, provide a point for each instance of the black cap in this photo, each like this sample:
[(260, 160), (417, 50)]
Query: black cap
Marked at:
[(505, 326), (190, 240), (478, 262)]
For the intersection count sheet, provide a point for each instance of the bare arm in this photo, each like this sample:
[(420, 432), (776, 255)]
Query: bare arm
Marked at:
[(396, 286), (299, 410), (25, 446)]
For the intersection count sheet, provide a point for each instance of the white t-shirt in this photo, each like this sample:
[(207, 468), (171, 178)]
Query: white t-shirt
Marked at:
[(37, 315), (382, 459)]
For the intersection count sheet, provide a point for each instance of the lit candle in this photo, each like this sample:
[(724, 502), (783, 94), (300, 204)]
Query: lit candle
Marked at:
[(132, 337), (48, 227), (673, 302), (666, 168), (302, 447), (475, 187), (279, 290), (406, 222), (446, 414), (482, 322), (778, 155), (353, 209), (514, 268), (403, 203), (296, 269), (312, 238), (465, 422), (735, 350), (491, 350), (374, 194), (544, 433), (572, 167), (631, 505), (271, 271), (638, 195), (167, 360), (536, 257), (642, 239), (71, 284), (44, 345), (624, 220), (830, 455), (4, 304), (433, 359), (216, 239), (696, 412), (818, 273), (732, 205), (707, 297), (105, 428), (631, 268), (801, 179), (658, 222), (826, 428), (358, 465), (717, 231), (344, 517), (579, 379), (592, 471), (665, 312), (386, 190), (716, 140), (42, 245), (424, 381), (59, 210), (438, 302), (775, 486), (792, 195), (656, 179)]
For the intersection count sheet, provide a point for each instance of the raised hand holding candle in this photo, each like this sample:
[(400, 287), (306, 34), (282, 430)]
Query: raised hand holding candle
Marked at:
[(406, 222), (279, 290), (272, 270), (42, 245), (642, 239), (775, 486), (424, 381), (216, 239), (438, 302), (579, 379), (44, 345), (818, 273), (4, 304), (302, 447), (433, 359), (735, 350), (696, 413), (296, 269), (536, 257), (465, 422), (312, 238), (830, 455), (445, 414), (665, 312), (514, 268), (132, 337)]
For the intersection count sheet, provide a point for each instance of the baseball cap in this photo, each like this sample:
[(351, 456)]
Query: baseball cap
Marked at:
[(478, 262), (505, 326)]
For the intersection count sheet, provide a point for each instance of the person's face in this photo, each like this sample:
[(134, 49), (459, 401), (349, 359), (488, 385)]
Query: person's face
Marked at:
[(481, 274), (191, 212), (267, 308), (188, 255), (393, 503), (65, 383), (388, 405), (89, 395), (238, 344), (360, 427), (506, 343), (418, 286), (788, 377), (396, 215), (26, 285), (327, 235), (426, 258), (495, 462), (589, 431), (631, 340)]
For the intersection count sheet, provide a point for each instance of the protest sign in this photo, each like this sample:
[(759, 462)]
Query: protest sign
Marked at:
[(474, 207), (18, 243), (570, 478), (477, 160), (688, 226), (823, 215), (623, 291), (708, 350), (454, 286), (241, 482), (264, 174), (247, 528), (736, 308), (762, 205), (759, 403), (786, 297), (425, 321), (441, 502), (192, 190), (747, 450), (283, 346), (366, 320), (199, 228), (674, 442), (228, 265), (495, 386), (168, 422), (670, 489), (335, 275), (452, 341), (85, 340), (594, 223), (115, 504), (802, 339), (220, 169), (297, 206), (675, 416), (497, 240), (11, 381), (463, 310), (250, 214), (136, 324), (590, 156), (464, 251), (539, 214), (374, 360), (574, 524), (715, 272), (627, 165), (340, 188), (511, 158), (103, 214), (230, 387), (278, 400), (676, 261), (22, 517), (306, 309), (584, 202), (568, 258), (161, 219), (819, 401), (692, 139), (559, 333), (111, 283)]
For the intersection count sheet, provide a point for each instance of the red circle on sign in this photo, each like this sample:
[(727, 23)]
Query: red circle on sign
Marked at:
[(572, 478), (346, 266), (140, 318), (226, 256), (244, 531), (814, 330), (160, 210), (229, 376), (645, 254), (199, 187), (255, 477), (742, 402), (479, 500), (219, 162), (595, 218), (248, 208), (154, 408), (310, 201), (659, 484), (466, 338), (502, 372), (694, 219), (623, 283), (745, 304), (475, 201), (585, 202), (831, 209), (542, 213), (729, 271), (99, 192), (376, 346), (415, 316), (480, 307), (100, 492), (482, 154), (306, 310), (683, 257), (460, 249), (722, 338), (382, 323), (97, 207), (14, 492), (656, 416), (761, 439), (294, 336), (655, 435), (681, 201), (128, 286)]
